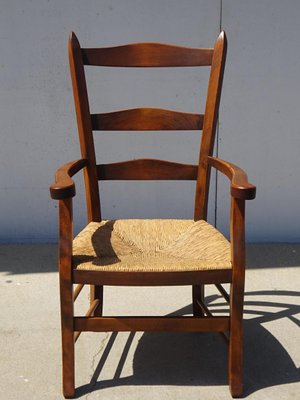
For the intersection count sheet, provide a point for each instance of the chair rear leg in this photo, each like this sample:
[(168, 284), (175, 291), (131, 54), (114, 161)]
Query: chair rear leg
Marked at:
[(67, 332), (198, 295), (96, 292), (235, 367)]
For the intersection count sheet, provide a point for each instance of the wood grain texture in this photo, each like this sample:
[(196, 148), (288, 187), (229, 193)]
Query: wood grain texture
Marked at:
[(152, 278), (64, 186), (86, 140), (146, 119), (147, 169), (240, 187), (150, 55), (237, 239), (66, 295), (147, 55), (209, 126), (152, 324)]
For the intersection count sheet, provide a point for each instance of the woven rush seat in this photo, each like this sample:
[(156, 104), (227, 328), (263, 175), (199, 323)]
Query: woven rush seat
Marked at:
[(149, 252), (157, 245)]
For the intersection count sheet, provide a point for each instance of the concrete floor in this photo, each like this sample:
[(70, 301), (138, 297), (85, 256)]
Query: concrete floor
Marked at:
[(144, 365)]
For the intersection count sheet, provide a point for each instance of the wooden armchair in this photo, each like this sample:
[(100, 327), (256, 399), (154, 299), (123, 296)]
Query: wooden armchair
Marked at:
[(150, 252)]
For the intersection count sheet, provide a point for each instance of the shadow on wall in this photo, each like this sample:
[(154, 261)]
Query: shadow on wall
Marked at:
[(200, 359)]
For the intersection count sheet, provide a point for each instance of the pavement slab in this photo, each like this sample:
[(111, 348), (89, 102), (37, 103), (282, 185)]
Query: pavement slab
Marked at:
[(148, 365)]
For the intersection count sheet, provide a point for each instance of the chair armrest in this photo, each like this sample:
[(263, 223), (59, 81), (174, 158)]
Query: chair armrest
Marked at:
[(64, 186), (240, 187)]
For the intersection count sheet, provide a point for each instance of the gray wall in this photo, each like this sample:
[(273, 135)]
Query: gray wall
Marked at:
[(259, 118)]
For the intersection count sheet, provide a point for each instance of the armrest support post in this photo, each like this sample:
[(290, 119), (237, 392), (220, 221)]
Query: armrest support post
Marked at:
[(65, 237)]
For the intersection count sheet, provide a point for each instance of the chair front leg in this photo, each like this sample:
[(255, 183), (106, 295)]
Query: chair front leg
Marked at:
[(237, 228), (66, 296), (236, 342)]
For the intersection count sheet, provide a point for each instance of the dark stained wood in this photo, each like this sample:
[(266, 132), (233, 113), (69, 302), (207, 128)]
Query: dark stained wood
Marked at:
[(151, 324), (209, 126), (96, 293), (208, 313), (223, 292), (147, 55), (147, 169), (237, 235), (204, 308), (197, 294), (82, 109), (66, 295), (76, 335), (152, 278), (146, 119), (240, 187), (93, 306), (64, 186)]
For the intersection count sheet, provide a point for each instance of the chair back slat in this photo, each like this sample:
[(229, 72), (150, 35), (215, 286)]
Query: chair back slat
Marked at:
[(147, 169), (147, 55), (146, 119)]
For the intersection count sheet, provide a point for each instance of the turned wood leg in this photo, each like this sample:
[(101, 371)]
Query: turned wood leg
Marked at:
[(198, 294)]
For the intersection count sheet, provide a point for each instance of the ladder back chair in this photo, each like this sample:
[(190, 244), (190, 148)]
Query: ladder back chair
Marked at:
[(150, 252)]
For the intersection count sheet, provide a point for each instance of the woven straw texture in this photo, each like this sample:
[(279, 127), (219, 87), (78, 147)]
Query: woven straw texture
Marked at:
[(139, 245)]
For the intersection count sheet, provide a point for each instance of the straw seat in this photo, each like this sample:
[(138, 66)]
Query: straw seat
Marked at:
[(145, 245), (149, 252)]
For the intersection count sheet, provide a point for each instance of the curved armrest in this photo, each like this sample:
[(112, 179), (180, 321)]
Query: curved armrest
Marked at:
[(64, 186), (240, 187)]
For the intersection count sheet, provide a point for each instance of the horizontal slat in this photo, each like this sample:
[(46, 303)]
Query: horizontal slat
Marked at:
[(151, 324), (152, 278), (146, 119), (147, 55), (147, 169)]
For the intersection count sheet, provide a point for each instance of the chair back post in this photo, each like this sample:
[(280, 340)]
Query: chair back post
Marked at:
[(84, 128), (209, 126)]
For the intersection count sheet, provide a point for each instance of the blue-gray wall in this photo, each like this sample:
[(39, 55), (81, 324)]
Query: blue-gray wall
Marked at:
[(259, 118)]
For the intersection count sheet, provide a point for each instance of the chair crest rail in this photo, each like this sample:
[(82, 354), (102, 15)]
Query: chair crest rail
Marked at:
[(147, 55)]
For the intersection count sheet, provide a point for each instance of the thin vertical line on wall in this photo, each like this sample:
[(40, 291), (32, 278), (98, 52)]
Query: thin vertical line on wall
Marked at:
[(217, 134)]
